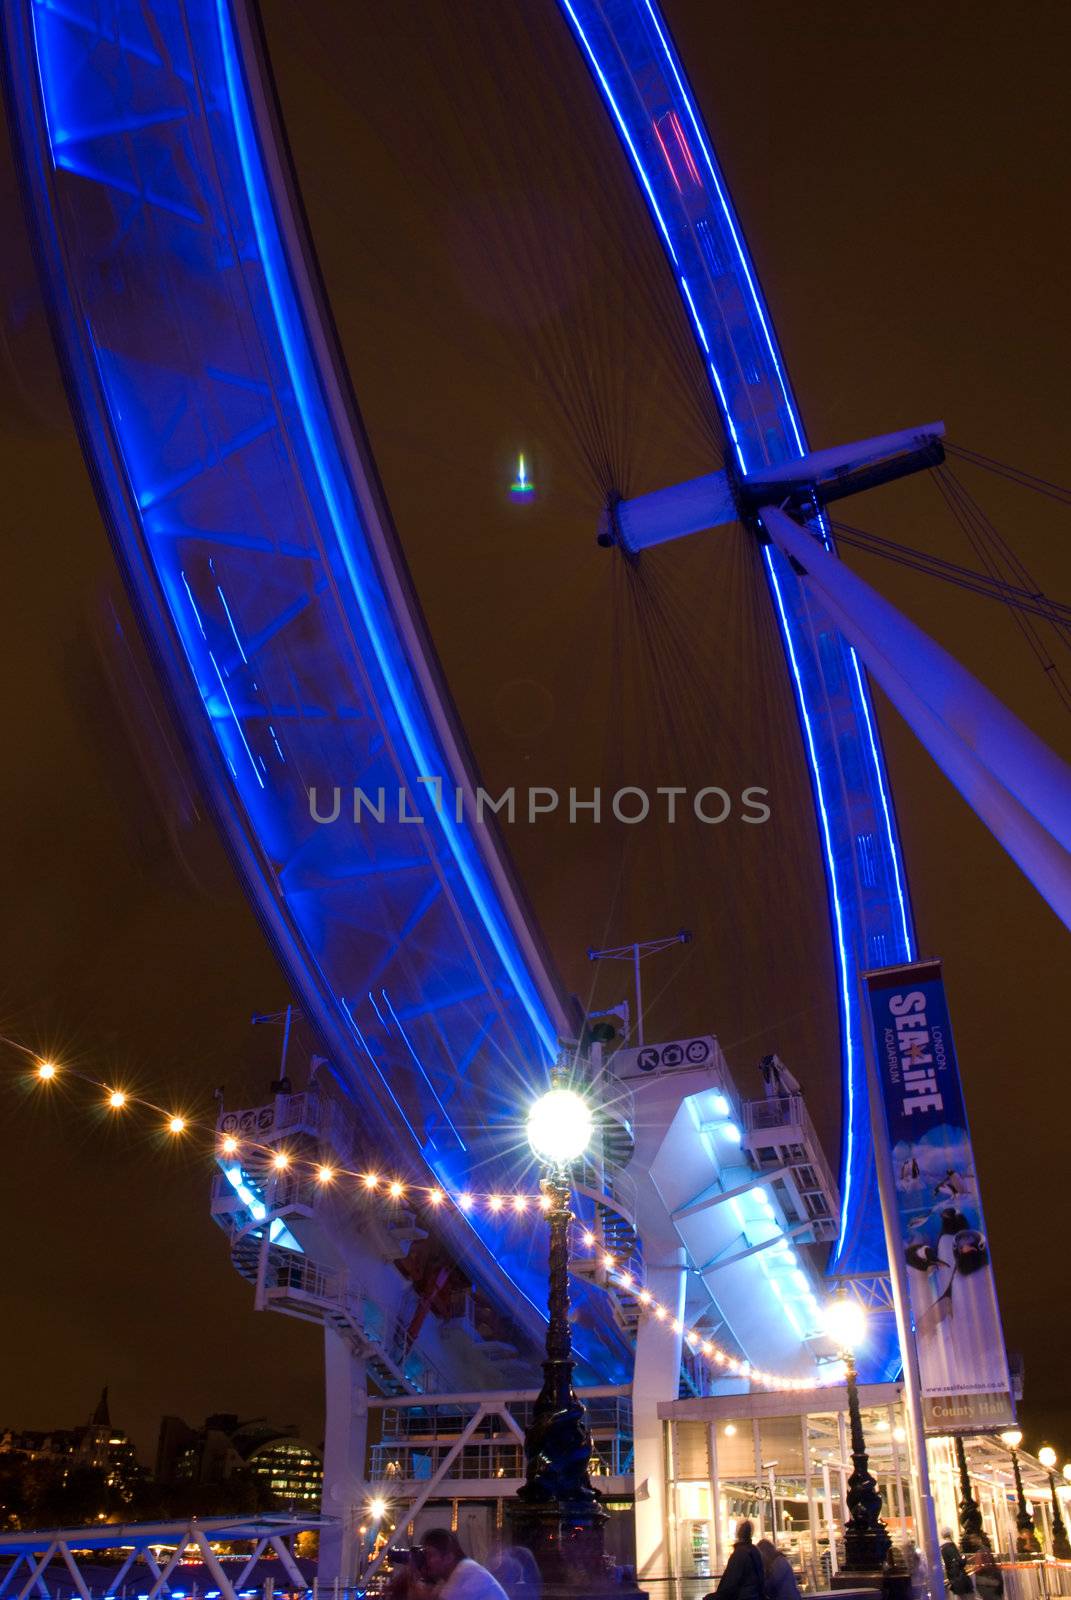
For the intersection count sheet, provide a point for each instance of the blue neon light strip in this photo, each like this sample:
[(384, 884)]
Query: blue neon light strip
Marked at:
[(220, 461), (633, 60), (426, 759)]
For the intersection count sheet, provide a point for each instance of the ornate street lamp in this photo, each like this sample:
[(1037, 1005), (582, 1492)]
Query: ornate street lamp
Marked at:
[(1026, 1535), (972, 1534), (558, 1513), (1061, 1549), (866, 1539)]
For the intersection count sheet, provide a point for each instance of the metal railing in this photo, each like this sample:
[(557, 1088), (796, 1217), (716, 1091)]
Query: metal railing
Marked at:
[(313, 1111), (789, 1111), (333, 1294)]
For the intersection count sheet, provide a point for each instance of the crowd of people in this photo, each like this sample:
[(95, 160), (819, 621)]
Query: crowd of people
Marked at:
[(438, 1569)]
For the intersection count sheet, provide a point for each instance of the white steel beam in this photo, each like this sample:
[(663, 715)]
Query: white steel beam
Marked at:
[(753, 1249), (37, 1571), (713, 1196), (258, 1550), (293, 1571), (164, 1573), (8, 1577), (1019, 788), (72, 1567), (214, 1566), (436, 1478)]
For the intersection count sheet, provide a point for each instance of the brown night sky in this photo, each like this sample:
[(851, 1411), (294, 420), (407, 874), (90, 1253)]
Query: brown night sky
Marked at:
[(900, 178)]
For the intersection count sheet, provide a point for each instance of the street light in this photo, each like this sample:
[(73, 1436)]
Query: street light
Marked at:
[(972, 1534), (1026, 1535), (866, 1539), (559, 1126), (558, 1513), (1061, 1548)]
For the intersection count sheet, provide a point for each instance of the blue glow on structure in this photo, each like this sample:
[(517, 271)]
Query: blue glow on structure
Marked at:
[(637, 68), (847, 997), (291, 336), (886, 810), (199, 213), (248, 1194), (623, 128)]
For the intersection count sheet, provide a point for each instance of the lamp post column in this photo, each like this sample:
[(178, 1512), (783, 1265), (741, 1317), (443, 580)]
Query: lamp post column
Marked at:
[(866, 1539), (972, 1532), (1026, 1541), (1061, 1549), (558, 1513)]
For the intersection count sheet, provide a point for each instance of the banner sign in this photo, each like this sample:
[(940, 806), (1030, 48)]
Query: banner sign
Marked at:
[(700, 1052), (963, 1365)]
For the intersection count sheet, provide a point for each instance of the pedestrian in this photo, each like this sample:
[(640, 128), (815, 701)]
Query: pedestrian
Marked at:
[(744, 1577), (780, 1579), (452, 1574), (987, 1576), (957, 1578)]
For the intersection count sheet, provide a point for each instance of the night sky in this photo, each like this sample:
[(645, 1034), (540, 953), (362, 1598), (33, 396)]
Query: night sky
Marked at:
[(900, 178)]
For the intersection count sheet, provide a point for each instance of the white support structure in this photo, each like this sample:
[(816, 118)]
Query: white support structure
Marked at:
[(35, 1556), (715, 499), (656, 1375), (345, 1445), (1019, 788)]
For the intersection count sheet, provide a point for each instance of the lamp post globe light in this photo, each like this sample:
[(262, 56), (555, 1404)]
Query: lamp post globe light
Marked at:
[(558, 1514), (1061, 1549), (1026, 1535), (866, 1539)]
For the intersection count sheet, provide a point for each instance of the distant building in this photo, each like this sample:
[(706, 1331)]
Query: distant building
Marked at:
[(96, 1444), (289, 1470)]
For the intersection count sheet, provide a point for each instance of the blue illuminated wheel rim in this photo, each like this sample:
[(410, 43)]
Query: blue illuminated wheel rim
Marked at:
[(242, 499)]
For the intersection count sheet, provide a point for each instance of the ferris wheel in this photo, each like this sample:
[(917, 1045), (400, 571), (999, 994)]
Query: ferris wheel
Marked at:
[(244, 504)]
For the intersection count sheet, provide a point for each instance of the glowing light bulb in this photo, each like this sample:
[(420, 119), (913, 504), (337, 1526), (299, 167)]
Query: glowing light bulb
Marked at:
[(845, 1322), (520, 1202), (229, 1145), (608, 1262), (645, 1297), (730, 1430), (325, 1174), (377, 1509), (370, 1180), (559, 1126), (436, 1197), (707, 1348), (589, 1239), (280, 1161), (660, 1313), (1047, 1457), (117, 1099), (46, 1070), (396, 1190), (464, 1200), (626, 1280), (544, 1202), (176, 1124), (495, 1202)]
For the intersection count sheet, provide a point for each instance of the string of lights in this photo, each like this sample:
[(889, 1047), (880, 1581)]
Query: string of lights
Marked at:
[(275, 1160)]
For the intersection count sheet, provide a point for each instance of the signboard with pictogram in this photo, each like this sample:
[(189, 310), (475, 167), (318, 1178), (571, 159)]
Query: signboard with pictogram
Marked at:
[(678, 1054)]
